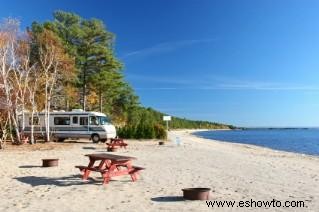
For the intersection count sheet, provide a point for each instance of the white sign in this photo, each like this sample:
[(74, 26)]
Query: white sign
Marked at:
[(167, 118)]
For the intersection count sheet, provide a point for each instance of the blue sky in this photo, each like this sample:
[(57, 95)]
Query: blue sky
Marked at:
[(247, 63)]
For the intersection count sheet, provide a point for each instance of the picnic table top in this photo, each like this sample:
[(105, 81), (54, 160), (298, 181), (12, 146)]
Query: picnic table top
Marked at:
[(103, 156), (117, 139)]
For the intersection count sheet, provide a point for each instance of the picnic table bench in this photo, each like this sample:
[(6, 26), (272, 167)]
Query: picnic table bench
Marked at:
[(116, 142), (110, 165)]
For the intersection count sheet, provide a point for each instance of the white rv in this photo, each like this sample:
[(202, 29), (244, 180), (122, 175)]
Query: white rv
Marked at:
[(75, 124)]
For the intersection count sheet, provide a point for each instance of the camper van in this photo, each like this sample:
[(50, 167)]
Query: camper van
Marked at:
[(75, 124)]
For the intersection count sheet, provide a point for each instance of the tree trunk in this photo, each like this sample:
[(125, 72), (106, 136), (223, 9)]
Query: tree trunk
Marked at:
[(3, 138), (67, 104), (32, 92), (46, 114), (10, 127), (23, 119), (3, 133), (48, 124), (101, 100), (16, 128), (1, 144), (84, 91), (32, 127)]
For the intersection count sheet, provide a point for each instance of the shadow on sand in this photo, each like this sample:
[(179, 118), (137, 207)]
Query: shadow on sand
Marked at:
[(89, 147), (77, 142), (63, 181), (29, 166), (168, 199)]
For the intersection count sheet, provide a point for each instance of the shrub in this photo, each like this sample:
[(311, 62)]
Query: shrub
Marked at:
[(142, 131), (160, 132)]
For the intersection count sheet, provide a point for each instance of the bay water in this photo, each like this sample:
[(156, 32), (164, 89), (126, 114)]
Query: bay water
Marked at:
[(302, 140)]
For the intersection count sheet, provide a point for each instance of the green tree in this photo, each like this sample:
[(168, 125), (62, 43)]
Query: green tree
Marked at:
[(95, 53), (99, 71), (91, 44)]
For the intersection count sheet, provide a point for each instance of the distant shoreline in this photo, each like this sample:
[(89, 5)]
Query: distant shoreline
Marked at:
[(275, 128), (299, 140)]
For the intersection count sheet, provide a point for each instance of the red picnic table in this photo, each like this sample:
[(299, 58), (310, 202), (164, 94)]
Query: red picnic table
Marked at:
[(110, 165), (116, 142)]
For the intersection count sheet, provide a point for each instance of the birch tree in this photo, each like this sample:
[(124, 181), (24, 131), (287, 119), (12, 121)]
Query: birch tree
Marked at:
[(54, 64), (22, 77), (8, 64), (4, 119), (32, 90)]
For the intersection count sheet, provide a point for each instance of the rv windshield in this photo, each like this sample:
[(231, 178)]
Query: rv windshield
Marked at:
[(104, 120)]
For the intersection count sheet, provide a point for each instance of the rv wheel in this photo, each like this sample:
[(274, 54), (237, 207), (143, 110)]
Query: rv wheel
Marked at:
[(95, 138)]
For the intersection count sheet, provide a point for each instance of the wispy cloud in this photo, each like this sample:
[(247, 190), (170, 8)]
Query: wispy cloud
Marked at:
[(267, 86), (233, 87), (219, 83), (159, 88), (163, 79), (166, 47)]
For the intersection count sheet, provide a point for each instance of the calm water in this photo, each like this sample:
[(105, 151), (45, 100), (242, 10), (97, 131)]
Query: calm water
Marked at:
[(292, 140)]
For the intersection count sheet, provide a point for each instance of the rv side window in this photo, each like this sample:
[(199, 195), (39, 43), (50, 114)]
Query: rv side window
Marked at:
[(75, 120), (94, 120), (83, 120), (61, 120), (35, 121)]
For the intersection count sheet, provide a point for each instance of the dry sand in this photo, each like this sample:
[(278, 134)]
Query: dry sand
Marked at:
[(233, 172)]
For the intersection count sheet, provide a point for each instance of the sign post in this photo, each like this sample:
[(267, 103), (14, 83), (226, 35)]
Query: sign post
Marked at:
[(167, 119)]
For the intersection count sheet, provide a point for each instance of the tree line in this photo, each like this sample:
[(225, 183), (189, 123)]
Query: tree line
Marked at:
[(148, 123), (65, 64)]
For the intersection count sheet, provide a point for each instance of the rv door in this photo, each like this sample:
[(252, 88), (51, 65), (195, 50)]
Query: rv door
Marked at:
[(75, 120), (85, 122)]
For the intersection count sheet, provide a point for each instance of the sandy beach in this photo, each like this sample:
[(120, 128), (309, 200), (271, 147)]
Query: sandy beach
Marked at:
[(234, 172)]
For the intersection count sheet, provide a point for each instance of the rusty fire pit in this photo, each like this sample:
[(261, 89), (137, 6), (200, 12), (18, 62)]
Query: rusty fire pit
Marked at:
[(196, 193), (50, 162)]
